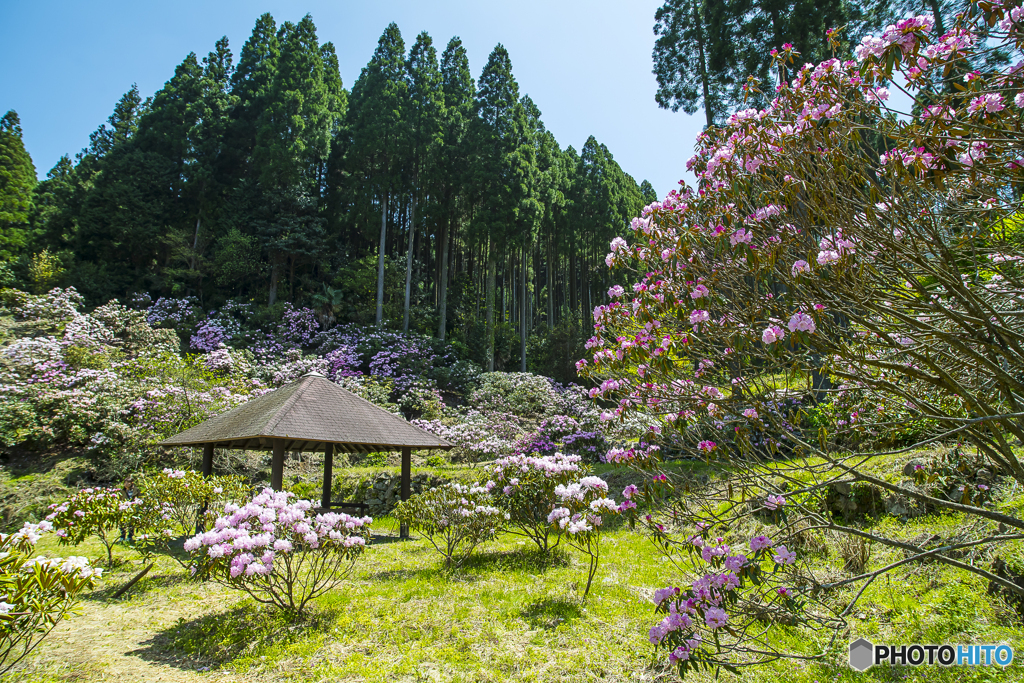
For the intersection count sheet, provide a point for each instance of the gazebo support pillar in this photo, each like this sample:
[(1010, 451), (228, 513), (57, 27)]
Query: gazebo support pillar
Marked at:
[(277, 466), (325, 500), (207, 459), (403, 530)]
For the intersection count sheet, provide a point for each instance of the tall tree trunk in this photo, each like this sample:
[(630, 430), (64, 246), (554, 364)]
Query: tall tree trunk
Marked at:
[(522, 316), (936, 9), (443, 281), (194, 256), (551, 288), (380, 259), (698, 20), (275, 275), (573, 291), (491, 267), (408, 263), (291, 279)]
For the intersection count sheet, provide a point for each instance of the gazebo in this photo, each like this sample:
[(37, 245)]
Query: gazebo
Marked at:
[(310, 414)]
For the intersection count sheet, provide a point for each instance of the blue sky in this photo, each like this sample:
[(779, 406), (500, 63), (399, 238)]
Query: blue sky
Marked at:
[(587, 64)]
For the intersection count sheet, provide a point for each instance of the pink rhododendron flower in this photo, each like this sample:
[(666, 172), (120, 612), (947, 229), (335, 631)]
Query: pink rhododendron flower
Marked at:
[(784, 556), (772, 334), (716, 617), (801, 322), (741, 236)]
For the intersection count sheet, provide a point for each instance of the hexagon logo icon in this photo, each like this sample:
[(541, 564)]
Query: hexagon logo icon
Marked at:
[(861, 654)]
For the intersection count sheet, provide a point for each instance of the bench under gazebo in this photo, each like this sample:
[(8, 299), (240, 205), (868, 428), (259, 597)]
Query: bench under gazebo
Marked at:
[(310, 414)]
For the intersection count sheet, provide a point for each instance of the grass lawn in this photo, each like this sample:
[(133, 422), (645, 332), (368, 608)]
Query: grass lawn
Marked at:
[(506, 616)]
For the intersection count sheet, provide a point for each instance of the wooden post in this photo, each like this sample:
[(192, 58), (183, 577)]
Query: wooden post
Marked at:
[(277, 466), (207, 459), (403, 530), (207, 473), (325, 501)]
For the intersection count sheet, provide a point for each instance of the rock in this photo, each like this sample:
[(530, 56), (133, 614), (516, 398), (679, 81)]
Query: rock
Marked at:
[(850, 500), (1012, 598), (911, 466), (899, 506)]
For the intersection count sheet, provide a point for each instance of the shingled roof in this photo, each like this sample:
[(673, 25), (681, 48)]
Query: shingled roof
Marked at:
[(308, 414)]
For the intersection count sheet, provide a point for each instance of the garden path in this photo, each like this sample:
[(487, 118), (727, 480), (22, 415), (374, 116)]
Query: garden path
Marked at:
[(126, 641)]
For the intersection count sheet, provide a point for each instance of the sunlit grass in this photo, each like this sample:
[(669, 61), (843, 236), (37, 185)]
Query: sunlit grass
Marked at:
[(507, 615)]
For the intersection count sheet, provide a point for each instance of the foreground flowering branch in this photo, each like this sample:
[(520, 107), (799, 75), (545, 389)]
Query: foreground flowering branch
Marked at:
[(842, 285), (36, 593)]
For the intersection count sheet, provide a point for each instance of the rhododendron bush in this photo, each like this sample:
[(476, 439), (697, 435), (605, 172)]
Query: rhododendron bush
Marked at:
[(868, 258), (278, 550), (454, 518), (106, 380), (525, 485), (580, 512), (104, 513), (185, 496), (36, 592)]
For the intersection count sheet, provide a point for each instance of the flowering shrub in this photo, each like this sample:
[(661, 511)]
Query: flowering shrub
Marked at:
[(581, 510), (184, 496), (36, 593), (298, 326), (565, 434), (865, 254), (518, 393), (175, 313), (292, 366), (525, 487), (219, 360), (478, 436), (211, 335), (54, 308), (455, 519), (277, 551), (100, 512), (342, 362)]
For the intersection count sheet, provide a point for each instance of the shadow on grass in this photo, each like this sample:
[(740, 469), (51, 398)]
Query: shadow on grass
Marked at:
[(523, 559), (220, 638), (549, 613), (149, 582)]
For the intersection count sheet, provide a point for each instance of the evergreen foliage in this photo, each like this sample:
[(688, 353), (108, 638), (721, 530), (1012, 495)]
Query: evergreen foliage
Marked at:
[(17, 180), (264, 181)]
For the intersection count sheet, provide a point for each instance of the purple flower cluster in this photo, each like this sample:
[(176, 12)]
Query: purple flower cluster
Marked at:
[(177, 313), (705, 605), (298, 326), (342, 362)]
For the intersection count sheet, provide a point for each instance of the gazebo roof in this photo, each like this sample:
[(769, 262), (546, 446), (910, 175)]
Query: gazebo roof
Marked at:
[(307, 414)]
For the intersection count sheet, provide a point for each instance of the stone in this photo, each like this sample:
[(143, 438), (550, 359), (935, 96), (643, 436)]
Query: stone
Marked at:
[(910, 467)]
